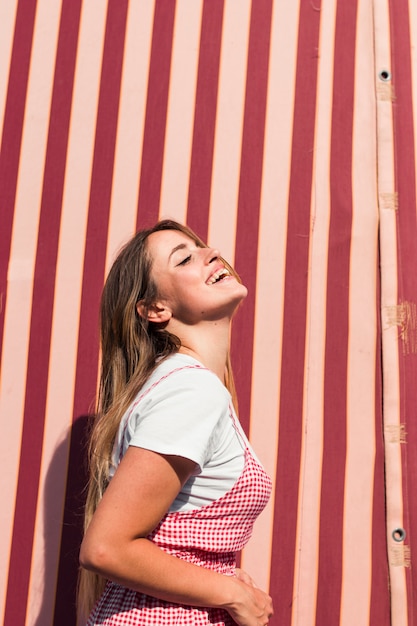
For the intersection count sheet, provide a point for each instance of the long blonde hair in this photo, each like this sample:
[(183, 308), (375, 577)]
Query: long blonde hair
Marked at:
[(131, 346)]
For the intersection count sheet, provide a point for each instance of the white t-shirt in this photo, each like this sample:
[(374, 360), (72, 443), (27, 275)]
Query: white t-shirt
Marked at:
[(184, 410)]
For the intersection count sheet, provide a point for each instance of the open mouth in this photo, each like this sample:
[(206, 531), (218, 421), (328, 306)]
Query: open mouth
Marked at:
[(218, 276)]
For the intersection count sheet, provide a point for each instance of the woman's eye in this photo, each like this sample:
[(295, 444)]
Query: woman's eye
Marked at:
[(185, 261)]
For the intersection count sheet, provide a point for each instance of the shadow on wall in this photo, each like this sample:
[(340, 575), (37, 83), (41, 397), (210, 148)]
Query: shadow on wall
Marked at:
[(72, 527)]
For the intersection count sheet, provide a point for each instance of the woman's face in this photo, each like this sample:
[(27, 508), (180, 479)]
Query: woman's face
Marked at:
[(192, 282)]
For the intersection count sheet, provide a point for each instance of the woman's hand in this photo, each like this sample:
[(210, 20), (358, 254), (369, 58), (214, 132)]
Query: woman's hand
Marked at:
[(251, 606), (244, 577)]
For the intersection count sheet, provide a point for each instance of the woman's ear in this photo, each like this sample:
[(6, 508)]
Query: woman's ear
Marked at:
[(156, 312)]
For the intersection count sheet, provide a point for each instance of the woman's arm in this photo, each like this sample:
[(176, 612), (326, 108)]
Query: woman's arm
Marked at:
[(115, 544)]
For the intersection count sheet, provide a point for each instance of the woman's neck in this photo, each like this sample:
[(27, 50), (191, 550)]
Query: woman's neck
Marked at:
[(209, 344)]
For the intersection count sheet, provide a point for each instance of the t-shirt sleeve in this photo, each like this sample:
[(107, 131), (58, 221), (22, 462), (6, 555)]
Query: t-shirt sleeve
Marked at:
[(180, 415)]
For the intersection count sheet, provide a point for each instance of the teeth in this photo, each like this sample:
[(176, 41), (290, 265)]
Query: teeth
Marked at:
[(215, 277)]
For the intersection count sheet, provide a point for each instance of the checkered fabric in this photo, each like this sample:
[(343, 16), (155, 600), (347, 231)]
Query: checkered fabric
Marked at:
[(208, 537)]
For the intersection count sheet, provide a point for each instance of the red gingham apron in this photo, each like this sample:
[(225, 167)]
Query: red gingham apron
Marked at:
[(209, 537)]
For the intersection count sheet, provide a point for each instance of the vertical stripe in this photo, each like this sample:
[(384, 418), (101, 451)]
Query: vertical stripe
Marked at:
[(12, 393), (43, 295), (360, 400), (270, 275), (308, 515), (250, 194), (294, 325), (180, 113), (380, 609), (99, 203), (94, 263), (72, 529), (12, 135), (364, 161), (156, 112), (130, 126), (229, 128), (362, 344), (407, 260), (337, 316), (205, 117), (7, 20), (387, 201)]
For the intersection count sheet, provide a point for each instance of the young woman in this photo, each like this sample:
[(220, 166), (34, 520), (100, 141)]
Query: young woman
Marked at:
[(174, 485)]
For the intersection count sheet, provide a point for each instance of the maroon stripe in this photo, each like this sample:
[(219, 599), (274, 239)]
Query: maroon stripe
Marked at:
[(380, 610), (72, 523), (93, 277), (205, 117), (12, 136), (156, 114), (250, 196), (295, 310), (407, 262), (99, 205), (337, 320), (41, 321)]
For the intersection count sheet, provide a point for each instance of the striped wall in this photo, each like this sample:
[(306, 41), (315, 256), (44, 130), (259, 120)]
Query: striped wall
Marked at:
[(283, 133)]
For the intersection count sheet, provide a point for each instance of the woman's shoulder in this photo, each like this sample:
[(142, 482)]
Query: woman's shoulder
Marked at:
[(182, 369), (182, 399), (177, 382), (176, 362)]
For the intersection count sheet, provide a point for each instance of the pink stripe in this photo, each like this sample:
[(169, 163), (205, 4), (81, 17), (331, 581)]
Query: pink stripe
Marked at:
[(41, 322), (407, 261), (294, 323), (337, 316), (156, 114), (12, 136), (94, 267), (205, 118), (249, 197)]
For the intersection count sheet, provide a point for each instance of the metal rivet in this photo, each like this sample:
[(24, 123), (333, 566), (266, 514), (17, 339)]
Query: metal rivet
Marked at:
[(384, 75), (399, 534)]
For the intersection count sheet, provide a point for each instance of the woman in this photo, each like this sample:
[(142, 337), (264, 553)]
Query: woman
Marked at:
[(174, 486)]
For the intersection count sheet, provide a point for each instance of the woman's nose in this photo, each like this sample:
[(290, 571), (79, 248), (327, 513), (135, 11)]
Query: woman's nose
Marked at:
[(212, 255)]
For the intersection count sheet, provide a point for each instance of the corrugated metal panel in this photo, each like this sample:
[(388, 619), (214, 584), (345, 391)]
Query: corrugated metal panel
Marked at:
[(272, 129)]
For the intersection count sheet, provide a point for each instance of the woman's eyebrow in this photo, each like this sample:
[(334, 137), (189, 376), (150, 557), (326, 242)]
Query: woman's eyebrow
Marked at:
[(180, 246)]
